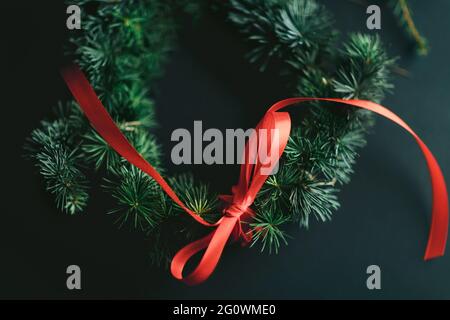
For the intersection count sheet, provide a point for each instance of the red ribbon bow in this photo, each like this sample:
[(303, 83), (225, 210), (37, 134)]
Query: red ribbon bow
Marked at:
[(277, 125)]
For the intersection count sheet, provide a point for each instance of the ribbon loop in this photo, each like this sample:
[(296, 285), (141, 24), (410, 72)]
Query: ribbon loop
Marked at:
[(251, 178)]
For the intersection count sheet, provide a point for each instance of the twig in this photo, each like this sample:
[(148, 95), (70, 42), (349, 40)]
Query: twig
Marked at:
[(406, 12)]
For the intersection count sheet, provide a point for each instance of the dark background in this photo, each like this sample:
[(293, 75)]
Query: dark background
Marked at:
[(385, 211)]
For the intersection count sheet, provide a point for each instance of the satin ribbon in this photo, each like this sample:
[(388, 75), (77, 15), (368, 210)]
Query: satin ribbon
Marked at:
[(251, 179)]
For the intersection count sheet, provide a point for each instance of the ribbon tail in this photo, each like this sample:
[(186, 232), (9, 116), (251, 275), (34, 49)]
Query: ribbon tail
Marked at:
[(437, 238), (438, 233), (214, 244)]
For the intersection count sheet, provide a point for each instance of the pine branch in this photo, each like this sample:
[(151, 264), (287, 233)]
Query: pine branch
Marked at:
[(140, 201), (402, 10), (196, 196), (122, 47), (365, 69), (100, 153), (292, 32), (266, 229), (322, 151), (62, 177), (57, 157)]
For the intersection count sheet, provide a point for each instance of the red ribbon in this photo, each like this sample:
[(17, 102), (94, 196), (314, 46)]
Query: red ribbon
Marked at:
[(251, 178)]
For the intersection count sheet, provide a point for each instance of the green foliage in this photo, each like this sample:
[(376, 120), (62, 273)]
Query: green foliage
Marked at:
[(293, 32), (140, 201), (123, 47), (175, 227), (99, 152), (196, 196), (56, 156), (63, 178), (365, 69), (296, 194), (298, 37), (266, 228)]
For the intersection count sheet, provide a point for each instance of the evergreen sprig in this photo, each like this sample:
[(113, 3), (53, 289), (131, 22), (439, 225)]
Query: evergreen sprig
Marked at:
[(139, 198), (57, 156), (196, 196), (293, 32)]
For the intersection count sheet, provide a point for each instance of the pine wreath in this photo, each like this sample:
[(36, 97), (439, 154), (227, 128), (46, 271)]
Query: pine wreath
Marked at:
[(123, 47)]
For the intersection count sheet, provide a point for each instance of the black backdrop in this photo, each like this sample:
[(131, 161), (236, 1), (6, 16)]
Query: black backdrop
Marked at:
[(385, 211)]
